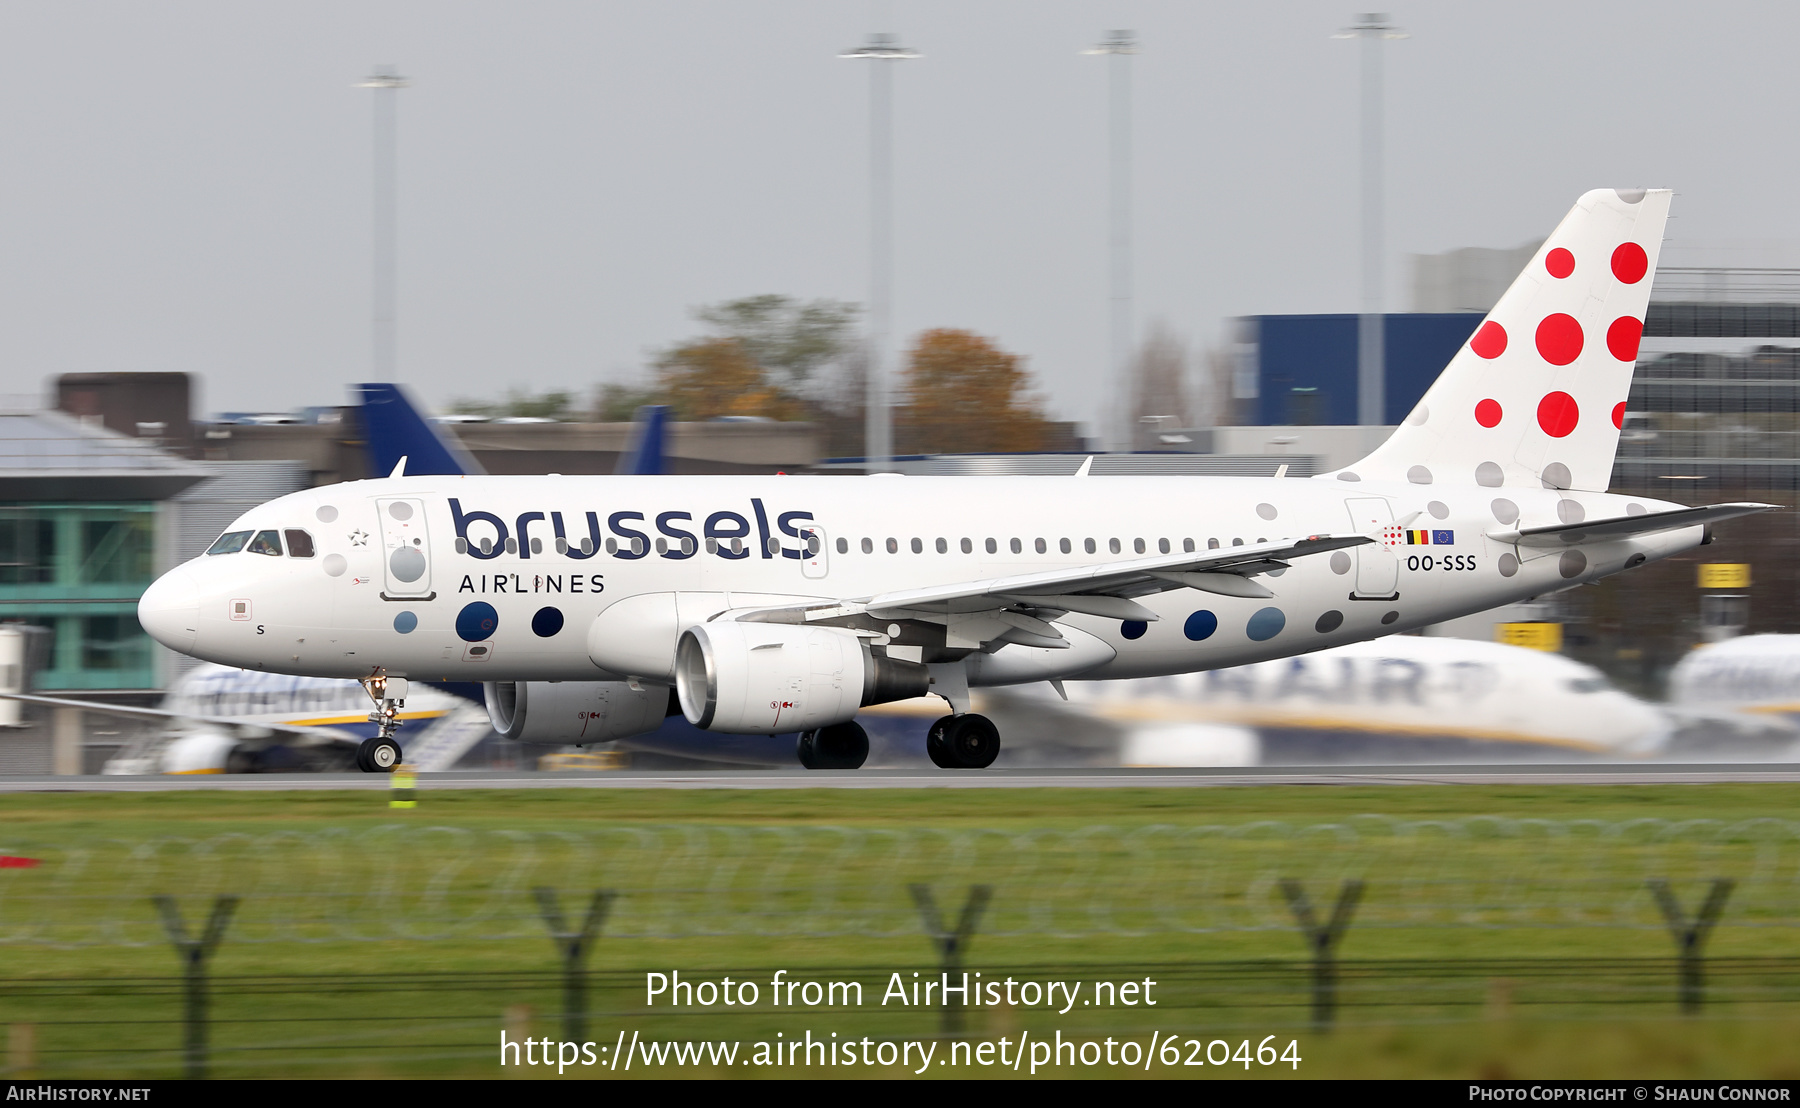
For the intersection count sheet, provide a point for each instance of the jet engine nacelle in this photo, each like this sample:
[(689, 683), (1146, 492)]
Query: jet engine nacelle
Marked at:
[(767, 678), (558, 713)]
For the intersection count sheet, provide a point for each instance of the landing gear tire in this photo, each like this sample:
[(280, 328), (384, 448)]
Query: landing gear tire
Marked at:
[(378, 755), (840, 746), (963, 742), (934, 744)]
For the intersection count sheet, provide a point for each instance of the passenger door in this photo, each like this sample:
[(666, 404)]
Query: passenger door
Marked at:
[(1377, 567), (405, 547)]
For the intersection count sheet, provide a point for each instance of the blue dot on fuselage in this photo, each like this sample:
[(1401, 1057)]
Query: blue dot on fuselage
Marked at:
[(1133, 628), (476, 622), (547, 622), (1200, 625), (406, 623), (1265, 624)]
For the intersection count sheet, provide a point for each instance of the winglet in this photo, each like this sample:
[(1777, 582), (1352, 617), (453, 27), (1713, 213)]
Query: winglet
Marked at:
[(399, 467), (1085, 466)]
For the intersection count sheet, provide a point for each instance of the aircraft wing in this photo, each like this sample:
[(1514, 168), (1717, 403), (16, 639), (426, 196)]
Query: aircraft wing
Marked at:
[(1019, 609), (305, 736), (1624, 526)]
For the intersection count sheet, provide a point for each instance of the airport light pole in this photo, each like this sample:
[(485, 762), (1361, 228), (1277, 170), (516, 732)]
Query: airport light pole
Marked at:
[(1371, 360), (387, 83), (882, 50), (1118, 46)]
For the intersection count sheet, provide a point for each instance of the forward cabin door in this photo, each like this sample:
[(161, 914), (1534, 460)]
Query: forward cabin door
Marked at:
[(1377, 566), (405, 547)]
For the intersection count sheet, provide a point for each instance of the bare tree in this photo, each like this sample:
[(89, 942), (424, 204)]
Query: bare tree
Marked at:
[(1161, 398)]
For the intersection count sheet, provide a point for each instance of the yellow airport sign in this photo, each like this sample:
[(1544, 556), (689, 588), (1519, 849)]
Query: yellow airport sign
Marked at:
[(1724, 575), (1533, 635)]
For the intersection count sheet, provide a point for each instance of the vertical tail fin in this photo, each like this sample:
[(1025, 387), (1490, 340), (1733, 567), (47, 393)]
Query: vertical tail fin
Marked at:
[(395, 429), (644, 455), (1537, 394)]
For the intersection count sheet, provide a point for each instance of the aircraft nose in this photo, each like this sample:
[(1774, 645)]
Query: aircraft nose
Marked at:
[(170, 610)]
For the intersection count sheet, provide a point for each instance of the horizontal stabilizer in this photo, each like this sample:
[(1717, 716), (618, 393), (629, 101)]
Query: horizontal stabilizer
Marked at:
[(1651, 523)]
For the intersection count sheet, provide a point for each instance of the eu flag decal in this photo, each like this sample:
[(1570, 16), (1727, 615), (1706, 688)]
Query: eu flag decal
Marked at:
[(1431, 538), (1443, 538)]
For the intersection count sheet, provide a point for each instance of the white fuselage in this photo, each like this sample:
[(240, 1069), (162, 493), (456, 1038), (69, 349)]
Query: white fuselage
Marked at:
[(525, 610)]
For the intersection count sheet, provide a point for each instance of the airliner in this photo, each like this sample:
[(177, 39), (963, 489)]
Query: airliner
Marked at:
[(591, 607)]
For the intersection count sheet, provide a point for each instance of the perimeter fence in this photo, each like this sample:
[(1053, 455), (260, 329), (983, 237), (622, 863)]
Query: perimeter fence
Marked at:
[(433, 883), (283, 939)]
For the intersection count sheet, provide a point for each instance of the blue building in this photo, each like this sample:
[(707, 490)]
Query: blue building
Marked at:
[(1301, 369)]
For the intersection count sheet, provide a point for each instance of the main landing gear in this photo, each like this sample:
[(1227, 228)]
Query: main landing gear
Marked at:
[(381, 753), (967, 741), (840, 746)]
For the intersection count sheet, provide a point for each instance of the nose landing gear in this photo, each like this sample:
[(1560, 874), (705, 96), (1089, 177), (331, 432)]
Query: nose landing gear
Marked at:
[(381, 753)]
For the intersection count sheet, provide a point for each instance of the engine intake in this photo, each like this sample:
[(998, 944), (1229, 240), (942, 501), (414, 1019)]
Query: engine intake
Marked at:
[(767, 678), (558, 713)]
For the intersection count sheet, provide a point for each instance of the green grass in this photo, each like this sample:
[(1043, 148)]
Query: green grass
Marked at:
[(1180, 885)]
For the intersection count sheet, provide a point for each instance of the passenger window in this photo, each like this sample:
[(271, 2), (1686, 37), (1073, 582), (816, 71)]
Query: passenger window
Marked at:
[(1237, 542), (868, 546), (943, 547), (1088, 545), (1162, 546), (843, 545), (893, 546), (968, 547), (266, 542), (1017, 546), (1137, 546), (1212, 544), (1112, 545), (299, 544), (1063, 545), (229, 543), (1041, 547), (1187, 546), (992, 546)]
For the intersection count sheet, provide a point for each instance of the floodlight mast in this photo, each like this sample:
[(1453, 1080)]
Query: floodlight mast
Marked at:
[(387, 82), (1371, 359), (1119, 46), (878, 431)]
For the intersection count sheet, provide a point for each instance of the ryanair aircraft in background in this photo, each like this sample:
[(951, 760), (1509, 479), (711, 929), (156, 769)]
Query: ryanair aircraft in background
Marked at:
[(589, 606)]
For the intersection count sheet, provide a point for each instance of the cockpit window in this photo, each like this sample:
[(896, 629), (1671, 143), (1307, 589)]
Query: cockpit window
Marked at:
[(229, 543), (266, 542), (1589, 684), (299, 544)]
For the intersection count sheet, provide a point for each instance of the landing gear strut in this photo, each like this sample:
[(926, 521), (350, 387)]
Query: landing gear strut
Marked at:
[(840, 746), (381, 753), (967, 741)]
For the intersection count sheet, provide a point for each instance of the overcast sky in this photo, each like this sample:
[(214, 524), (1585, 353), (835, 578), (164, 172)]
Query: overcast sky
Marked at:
[(185, 185)]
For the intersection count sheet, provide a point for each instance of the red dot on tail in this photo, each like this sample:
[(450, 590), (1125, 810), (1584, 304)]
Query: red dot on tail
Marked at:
[(1630, 263), (1622, 337), (1619, 415), (1487, 413), (1559, 262), (1559, 339), (1490, 341), (1558, 414)]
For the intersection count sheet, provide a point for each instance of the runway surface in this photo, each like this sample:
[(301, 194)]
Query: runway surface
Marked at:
[(1578, 774)]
